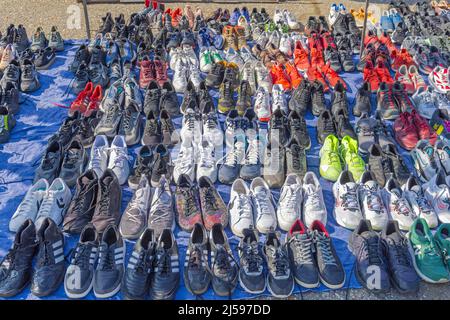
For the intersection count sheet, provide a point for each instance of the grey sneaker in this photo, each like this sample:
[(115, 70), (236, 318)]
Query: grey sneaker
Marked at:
[(81, 78), (115, 94), (274, 165), (74, 162), (110, 121), (21, 41), (110, 268), (38, 40), (161, 213), (9, 97), (251, 167), (114, 71), (98, 74), (229, 170), (29, 81), (7, 123), (134, 219), (365, 130), (131, 124), (56, 41), (296, 160), (50, 163), (11, 74), (142, 166)]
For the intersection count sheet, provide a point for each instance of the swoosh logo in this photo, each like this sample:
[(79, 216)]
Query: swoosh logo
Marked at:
[(60, 203)]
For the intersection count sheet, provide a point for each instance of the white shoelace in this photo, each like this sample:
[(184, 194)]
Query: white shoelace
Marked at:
[(253, 153), (235, 155), (207, 157), (262, 202), (119, 157)]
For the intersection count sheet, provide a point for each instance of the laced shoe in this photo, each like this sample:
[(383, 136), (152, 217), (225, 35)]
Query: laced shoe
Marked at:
[(347, 210), (386, 103), (186, 204), (289, 207), (251, 274), (240, 207), (214, 210), (397, 204), (265, 218)]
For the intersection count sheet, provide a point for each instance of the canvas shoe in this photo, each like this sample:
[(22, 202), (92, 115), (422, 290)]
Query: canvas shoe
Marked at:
[(289, 207), (240, 207), (265, 219)]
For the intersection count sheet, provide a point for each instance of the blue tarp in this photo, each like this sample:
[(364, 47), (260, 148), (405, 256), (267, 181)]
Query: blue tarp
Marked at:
[(39, 118)]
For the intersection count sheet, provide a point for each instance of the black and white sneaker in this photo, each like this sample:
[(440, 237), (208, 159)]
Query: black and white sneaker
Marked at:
[(280, 281), (251, 273), (79, 276), (223, 265), (166, 276), (196, 271), (110, 268), (49, 268), (136, 281)]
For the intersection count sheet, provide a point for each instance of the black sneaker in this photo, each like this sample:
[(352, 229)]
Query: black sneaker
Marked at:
[(251, 272), (169, 99), (343, 126), (223, 265), (49, 268), (379, 164), (332, 57), (215, 75), (318, 98), (299, 132), (339, 100), (190, 98), (196, 267), (280, 281), (362, 101), (110, 268), (300, 250), (81, 56), (296, 160), (142, 166), (152, 135), (367, 247), (169, 135), (16, 266), (131, 124), (301, 97), (86, 131), (347, 60), (403, 275), (73, 164), (50, 163), (204, 98), (166, 277), (325, 126), (244, 100), (152, 98), (340, 25), (9, 97), (136, 281), (331, 271), (401, 172), (162, 165), (278, 127), (44, 58), (79, 276)]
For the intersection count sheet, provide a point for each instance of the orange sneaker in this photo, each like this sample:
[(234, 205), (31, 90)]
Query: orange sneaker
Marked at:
[(316, 58), (301, 58), (294, 75), (371, 77), (314, 74), (176, 16), (332, 76), (279, 76), (96, 98), (240, 35)]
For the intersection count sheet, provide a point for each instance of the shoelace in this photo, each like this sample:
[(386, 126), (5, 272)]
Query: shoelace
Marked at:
[(228, 91), (291, 198), (195, 258), (81, 256), (252, 257), (44, 253), (119, 155), (191, 205), (312, 200), (207, 157), (71, 158), (235, 155), (324, 246), (328, 126), (46, 206), (211, 121), (401, 206), (365, 131), (151, 128), (262, 202), (28, 202), (96, 161), (138, 202), (280, 261), (350, 199), (423, 204), (106, 258), (401, 252), (104, 200), (210, 200), (81, 198), (184, 160), (164, 261), (244, 205), (370, 249), (253, 154), (303, 249), (374, 201), (190, 120)]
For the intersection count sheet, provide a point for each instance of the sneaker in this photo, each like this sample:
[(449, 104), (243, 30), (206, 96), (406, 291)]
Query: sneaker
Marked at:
[(415, 195), (17, 272), (196, 268), (240, 207), (73, 163), (55, 41), (98, 160), (107, 210), (251, 274), (325, 126), (223, 265), (313, 205), (442, 150), (136, 280), (229, 170), (265, 219), (226, 97), (161, 215), (425, 253), (397, 204), (274, 164), (278, 128), (365, 130), (362, 100), (348, 151), (152, 135), (371, 202), (79, 277), (111, 258), (365, 245), (134, 219), (8, 122), (386, 103), (206, 166), (142, 166), (38, 40), (289, 207), (44, 58), (330, 164), (425, 160), (405, 131), (187, 205), (347, 210), (437, 193), (213, 207), (301, 97), (29, 80)]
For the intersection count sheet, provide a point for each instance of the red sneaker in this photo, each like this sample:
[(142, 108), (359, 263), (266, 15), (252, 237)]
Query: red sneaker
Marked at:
[(386, 40), (424, 130), (383, 73), (399, 58), (301, 58), (370, 39), (371, 77), (160, 71), (327, 40), (314, 41), (147, 72), (81, 103), (405, 131), (279, 76), (314, 74), (332, 76), (96, 98), (316, 58), (176, 16), (417, 79), (294, 75)]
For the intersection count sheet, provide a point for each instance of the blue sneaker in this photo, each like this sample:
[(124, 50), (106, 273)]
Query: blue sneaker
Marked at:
[(112, 52), (235, 16), (245, 13), (396, 17), (342, 8), (218, 41), (203, 38), (127, 50), (386, 22)]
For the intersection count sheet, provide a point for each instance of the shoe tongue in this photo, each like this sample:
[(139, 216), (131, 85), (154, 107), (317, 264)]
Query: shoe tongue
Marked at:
[(395, 237), (396, 191), (309, 189), (350, 186), (372, 185), (369, 234), (260, 189), (416, 189)]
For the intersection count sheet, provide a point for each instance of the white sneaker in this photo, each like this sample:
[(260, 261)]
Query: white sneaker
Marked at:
[(423, 99), (371, 202), (190, 56), (240, 207), (55, 203), (211, 129), (278, 17), (180, 77), (175, 57), (194, 76), (290, 203), (439, 79), (419, 204), (425, 160), (263, 77), (397, 205), (206, 165), (334, 13), (346, 210), (262, 105), (286, 45), (185, 162), (441, 101), (248, 74), (278, 99), (232, 56), (118, 159), (313, 203), (291, 20), (132, 92), (247, 55), (437, 193), (274, 38), (442, 151), (266, 219), (98, 160), (29, 206), (191, 131), (205, 60)]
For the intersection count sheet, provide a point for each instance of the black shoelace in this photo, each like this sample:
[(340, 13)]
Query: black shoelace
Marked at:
[(296, 163), (210, 200), (280, 262), (191, 205), (401, 252), (44, 256), (81, 255), (372, 246), (106, 258), (252, 257), (163, 263)]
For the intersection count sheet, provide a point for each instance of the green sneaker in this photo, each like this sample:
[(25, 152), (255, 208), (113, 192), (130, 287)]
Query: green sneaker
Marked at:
[(206, 60), (216, 56), (348, 151), (7, 123), (270, 27), (442, 238), (426, 255), (284, 28), (330, 164)]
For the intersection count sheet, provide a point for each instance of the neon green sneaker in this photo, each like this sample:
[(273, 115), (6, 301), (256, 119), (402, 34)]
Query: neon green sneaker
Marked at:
[(349, 155), (270, 26), (427, 258), (330, 164)]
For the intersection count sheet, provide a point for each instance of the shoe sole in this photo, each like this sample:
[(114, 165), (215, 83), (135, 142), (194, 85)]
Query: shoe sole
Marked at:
[(277, 295), (49, 292), (333, 286), (79, 295), (250, 291), (341, 223)]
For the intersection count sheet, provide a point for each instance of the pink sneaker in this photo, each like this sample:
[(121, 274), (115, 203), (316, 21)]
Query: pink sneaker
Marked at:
[(439, 79)]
